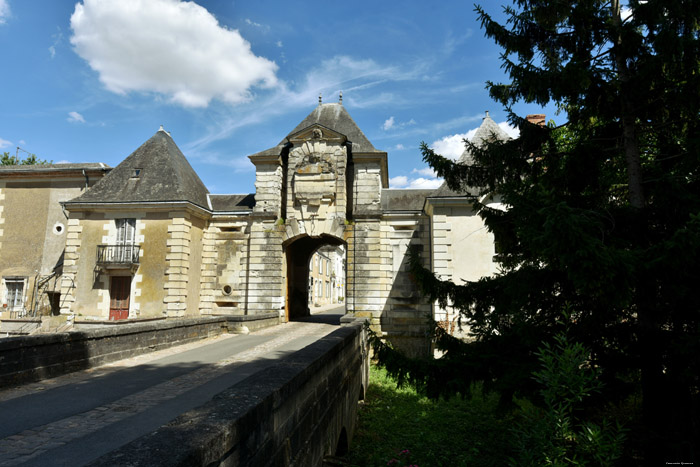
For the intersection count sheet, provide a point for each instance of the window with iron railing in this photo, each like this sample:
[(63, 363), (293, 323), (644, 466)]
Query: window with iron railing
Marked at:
[(118, 254)]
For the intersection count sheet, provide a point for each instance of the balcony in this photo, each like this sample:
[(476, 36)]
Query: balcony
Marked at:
[(118, 256)]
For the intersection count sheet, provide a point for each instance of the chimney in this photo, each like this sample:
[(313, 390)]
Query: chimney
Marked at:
[(536, 119)]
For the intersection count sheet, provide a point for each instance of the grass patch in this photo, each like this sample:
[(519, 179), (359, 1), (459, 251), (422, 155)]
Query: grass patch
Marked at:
[(458, 432)]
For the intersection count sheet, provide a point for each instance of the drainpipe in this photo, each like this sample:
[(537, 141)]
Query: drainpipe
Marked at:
[(87, 180)]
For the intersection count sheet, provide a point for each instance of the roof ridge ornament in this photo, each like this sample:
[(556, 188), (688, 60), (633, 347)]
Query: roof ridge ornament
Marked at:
[(320, 98), (487, 114), (340, 98)]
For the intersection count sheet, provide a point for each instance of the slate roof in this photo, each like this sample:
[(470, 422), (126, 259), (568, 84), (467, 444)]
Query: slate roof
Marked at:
[(232, 202), (404, 200), (164, 175), (333, 117), (488, 131), (54, 167)]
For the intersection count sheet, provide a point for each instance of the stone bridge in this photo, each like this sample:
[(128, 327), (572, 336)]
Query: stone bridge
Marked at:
[(284, 407)]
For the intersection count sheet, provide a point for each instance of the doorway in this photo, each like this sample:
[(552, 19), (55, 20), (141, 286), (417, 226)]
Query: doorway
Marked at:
[(119, 292), (301, 285)]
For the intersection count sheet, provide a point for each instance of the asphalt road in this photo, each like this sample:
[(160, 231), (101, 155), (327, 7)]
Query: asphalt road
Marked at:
[(74, 419)]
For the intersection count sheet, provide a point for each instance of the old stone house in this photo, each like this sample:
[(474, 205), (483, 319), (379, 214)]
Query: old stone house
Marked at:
[(149, 241), (33, 232)]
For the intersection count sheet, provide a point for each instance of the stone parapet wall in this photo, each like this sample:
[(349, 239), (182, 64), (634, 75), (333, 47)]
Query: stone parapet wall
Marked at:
[(33, 358), (296, 412)]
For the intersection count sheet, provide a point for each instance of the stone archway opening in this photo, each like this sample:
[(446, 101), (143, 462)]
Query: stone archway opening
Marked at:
[(309, 284)]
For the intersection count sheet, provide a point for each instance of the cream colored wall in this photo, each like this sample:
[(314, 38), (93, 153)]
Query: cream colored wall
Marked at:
[(29, 212), (151, 272), (463, 250), (472, 247), (147, 283), (196, 237), (91, 291)]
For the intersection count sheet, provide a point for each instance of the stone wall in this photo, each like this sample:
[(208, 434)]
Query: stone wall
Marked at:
[(33, 358), (294, 413)]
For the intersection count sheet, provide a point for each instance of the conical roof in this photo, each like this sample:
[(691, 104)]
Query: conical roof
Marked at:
[(487, 132), (336, 118), (156, 171)]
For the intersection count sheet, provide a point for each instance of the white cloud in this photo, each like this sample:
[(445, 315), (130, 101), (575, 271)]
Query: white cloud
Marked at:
[(510, 130), (426, 172), (388, 123), (425, 183), (168, 47), (400, 181), (5, 143), (399, 147), (4, 11), (75, 117), (279, 44), (452, 146)]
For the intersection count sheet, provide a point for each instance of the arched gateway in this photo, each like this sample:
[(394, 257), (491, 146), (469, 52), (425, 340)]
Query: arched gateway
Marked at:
[(148, 240)]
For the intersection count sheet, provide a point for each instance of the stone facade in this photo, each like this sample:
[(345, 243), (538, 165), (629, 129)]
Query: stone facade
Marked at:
[(194, 253), (35, 231)]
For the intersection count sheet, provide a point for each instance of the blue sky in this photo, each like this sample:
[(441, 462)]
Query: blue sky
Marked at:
[(91, 81)]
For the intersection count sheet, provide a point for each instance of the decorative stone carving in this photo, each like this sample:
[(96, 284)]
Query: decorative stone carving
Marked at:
[(314, 179)]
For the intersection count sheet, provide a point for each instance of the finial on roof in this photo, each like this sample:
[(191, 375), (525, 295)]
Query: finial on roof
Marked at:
[(161, 128), (487, 114), (340, 98), (320, 98)]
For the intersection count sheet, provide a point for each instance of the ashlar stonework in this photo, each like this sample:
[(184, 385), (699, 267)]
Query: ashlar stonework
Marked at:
[(148, 241)]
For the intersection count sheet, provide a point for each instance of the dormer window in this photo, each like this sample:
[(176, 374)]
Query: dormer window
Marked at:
[(136, 173)]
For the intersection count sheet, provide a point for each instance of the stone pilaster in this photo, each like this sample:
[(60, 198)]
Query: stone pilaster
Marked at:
[(2, 210), (178, 259), (208, 272), (71, 257)]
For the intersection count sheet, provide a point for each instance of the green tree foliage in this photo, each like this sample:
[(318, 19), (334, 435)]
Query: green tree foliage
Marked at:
[(603, 218), (556, 434), (31, 159)]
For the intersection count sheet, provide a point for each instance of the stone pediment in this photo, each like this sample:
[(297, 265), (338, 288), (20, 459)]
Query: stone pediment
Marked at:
[(317, 132)]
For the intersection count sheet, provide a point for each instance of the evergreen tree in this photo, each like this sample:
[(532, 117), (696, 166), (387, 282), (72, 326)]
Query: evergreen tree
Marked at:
[(603, 218)]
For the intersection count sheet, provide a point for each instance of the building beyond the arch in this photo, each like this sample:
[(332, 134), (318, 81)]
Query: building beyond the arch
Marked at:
[(149, 241)]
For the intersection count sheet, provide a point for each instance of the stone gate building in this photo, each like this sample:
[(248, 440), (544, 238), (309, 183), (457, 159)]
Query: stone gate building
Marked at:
[(149, 241)]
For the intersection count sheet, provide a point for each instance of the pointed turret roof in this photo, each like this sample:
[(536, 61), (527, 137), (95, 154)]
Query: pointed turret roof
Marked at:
[(156, 171), (334, 117), (487, 132)]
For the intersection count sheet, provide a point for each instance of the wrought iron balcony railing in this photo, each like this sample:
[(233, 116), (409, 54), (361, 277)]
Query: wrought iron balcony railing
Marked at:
[(114, 255)]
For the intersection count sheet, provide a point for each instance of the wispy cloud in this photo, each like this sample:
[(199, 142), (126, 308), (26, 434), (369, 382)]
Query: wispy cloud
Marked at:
[(57, 38), (5, 143), (75, 117), (339, 73), (392, 124), (4, 11)]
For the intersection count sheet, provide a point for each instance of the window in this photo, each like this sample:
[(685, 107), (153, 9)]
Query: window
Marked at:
[(126, 234), (14, 292), (126, 229)]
